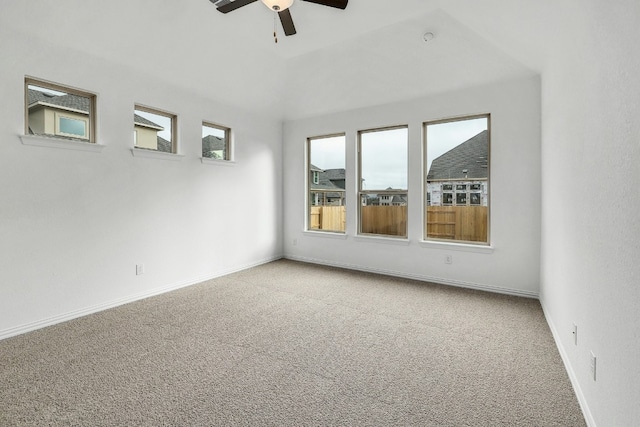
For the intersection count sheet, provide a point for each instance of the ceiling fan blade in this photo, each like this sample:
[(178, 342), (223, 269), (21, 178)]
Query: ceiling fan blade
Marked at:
[(226, 8), (340, 4), (287, 22)]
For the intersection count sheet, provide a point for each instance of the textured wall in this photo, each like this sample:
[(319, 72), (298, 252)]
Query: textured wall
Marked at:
[(590, 199), (74, 224)]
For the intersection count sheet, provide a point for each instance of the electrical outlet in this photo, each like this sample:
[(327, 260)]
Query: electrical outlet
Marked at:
[(448, 259), (575, 334), (593, 366), (295, 242), (139, 269)]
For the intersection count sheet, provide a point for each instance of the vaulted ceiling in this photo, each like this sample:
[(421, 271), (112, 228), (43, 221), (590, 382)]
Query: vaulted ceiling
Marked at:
[(371, 53)]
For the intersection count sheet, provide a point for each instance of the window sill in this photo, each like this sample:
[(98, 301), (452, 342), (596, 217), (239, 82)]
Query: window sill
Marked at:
[(401, 241), (67, 144), (462, 247), (218, 162), (152, 154), (326, 234)]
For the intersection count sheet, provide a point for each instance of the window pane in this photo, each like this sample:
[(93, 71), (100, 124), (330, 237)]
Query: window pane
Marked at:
[(326, 183), (457, 180), (72, 126), (384, 159), (215, 142), (383, 182), (153, 130), (58, 113)]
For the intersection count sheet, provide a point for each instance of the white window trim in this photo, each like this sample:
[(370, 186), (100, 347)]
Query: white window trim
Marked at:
[(328, 234), (49, 142), (479, 248), (217, 162), (379, 238), (153, 154)]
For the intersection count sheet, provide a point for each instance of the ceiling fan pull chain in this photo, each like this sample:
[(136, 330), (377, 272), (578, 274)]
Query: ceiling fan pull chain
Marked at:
[(275, 36)]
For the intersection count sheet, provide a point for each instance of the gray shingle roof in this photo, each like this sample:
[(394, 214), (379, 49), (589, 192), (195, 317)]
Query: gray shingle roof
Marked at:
[(164, 145), (471, 155), (74, 102), (139, 120), (213, 143), (329, 179)]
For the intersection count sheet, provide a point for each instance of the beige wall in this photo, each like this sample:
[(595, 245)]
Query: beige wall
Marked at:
[(146, 137), (36, 120), (44, 120)]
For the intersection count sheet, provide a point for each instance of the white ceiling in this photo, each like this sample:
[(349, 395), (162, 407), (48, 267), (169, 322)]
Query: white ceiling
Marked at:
[(370, 53)]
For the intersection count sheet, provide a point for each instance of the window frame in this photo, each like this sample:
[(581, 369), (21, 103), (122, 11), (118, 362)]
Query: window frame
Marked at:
[(227, 141), (486, 187), (90, 122), (309, 179), (58, 125), (379, 192), (174, 127)]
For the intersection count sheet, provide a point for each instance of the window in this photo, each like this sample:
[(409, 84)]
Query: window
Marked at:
[(457, 179), (154, 130), (215, 142), (59, 112), (382, 190), (326, 183)]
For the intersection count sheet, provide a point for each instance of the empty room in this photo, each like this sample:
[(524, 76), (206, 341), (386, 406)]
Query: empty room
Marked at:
[(320, 212)]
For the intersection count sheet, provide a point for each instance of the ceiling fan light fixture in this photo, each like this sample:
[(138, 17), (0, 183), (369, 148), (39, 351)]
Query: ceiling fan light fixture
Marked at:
[(278, 5)]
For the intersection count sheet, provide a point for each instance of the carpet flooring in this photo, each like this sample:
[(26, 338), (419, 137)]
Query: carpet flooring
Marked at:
[(294, 344)]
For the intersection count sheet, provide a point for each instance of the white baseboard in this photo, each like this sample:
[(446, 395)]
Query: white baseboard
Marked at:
[(32, 326), (569, 368), (421, 277)]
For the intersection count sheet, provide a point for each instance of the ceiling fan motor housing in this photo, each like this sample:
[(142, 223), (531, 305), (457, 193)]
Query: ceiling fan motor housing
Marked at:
[(278, 5)]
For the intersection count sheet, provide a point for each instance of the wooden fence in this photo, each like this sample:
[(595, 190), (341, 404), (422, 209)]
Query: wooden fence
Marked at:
[(468, 223), (328, 218), (387, 220), (464, 223)]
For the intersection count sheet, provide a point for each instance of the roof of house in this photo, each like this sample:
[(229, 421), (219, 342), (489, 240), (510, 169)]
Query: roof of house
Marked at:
[(213, 143), (139, 120), (328, 179), (470, 156), (69, 101), (164, 145)]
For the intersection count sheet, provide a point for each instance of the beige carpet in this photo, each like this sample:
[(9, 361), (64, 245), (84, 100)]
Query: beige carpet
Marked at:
[(292, 344)]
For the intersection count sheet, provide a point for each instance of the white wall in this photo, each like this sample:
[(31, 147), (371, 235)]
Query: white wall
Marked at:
[(512, 266), (590, 270), (74, 224)]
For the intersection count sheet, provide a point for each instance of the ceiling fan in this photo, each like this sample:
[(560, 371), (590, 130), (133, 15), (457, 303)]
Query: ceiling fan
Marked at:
[(279, 6)]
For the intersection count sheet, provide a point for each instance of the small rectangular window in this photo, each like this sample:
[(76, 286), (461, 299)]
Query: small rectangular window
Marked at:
[(154, 130), (215, 142), (383, 168), (457, 156), (326, 204), (57, 111)]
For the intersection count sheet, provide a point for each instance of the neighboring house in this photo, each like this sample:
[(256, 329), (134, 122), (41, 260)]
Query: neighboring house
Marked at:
[(459, 176), (145, 135), (387, 199), (58, 115), (214, 147), (327, 186)]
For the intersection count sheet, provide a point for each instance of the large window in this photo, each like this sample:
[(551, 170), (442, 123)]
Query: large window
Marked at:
[(382, 188), (326, 183), (59, 112), (457, 179), (154, 130), (215, 142)]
